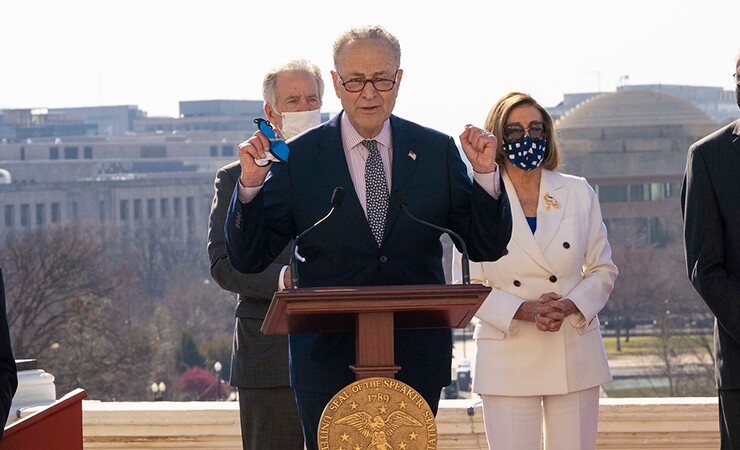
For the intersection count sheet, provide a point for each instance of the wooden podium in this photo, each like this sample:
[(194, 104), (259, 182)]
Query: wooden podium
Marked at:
[(373, 312), (57, 426)]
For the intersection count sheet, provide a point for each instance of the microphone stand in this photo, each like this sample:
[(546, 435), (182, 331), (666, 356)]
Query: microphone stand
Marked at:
[(336, 199), (465, 263)]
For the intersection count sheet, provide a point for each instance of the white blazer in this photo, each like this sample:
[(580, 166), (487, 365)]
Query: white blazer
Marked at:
[(568, 254)]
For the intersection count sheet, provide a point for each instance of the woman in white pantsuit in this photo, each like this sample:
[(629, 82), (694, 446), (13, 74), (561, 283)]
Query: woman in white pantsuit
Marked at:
[(540, 357)]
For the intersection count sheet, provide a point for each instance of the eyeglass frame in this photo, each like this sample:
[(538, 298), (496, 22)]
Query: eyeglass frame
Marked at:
[(365, 81), (525, 130), (736, 77)]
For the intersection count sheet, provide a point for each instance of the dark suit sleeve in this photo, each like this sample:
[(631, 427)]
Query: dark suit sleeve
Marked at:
[(483, 221), (8, 370), (704, 237), (259, 285), (250, 244)]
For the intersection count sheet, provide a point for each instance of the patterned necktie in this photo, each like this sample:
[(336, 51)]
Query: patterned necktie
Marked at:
[(376, 190)]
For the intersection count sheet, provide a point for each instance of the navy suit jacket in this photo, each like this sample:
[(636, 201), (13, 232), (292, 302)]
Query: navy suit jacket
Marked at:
[(428, 168)]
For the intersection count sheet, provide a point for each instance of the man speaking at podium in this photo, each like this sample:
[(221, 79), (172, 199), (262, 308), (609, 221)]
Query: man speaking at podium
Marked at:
[(370, 153)]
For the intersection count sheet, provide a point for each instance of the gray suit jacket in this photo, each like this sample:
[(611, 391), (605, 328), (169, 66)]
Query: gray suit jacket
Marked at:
[(710, 201), (257, 360)]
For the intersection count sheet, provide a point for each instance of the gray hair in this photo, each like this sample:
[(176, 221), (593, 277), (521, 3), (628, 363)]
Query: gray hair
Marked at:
[(367, 33), (297, 65)]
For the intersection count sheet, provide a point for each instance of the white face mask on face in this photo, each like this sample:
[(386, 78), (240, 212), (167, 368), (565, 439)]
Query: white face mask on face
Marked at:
[(295, 123)]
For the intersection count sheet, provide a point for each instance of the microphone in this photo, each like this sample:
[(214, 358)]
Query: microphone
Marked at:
[(465, 263), (336, 199)]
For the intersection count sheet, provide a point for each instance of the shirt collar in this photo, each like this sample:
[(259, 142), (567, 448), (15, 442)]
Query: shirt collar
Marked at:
[(351, 138)]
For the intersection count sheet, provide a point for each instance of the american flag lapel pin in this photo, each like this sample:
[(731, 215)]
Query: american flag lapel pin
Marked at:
[(412, 155)]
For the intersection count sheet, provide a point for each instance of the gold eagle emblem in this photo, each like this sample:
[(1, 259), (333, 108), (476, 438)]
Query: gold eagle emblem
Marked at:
[(378, 428)]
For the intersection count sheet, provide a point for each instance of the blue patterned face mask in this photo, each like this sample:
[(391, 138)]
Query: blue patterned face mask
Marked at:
[(526, 153)]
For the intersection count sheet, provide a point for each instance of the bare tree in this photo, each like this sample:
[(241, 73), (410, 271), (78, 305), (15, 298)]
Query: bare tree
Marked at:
[(77, 311), (102, 350), (47, 272), (652, 285), (157, 250), (683, 345), (97, 306), (200, 307), (638, 266)]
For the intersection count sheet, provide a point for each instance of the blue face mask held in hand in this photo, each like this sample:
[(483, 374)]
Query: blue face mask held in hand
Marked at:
[(278, 151)]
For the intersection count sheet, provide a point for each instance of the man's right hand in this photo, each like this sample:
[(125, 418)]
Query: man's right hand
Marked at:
[(253, 148)]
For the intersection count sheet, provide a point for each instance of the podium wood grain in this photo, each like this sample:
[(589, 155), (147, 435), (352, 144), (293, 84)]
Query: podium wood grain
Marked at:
[(373, 312)]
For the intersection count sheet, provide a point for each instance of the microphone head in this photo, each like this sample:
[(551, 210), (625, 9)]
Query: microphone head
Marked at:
[(400, 198), (337, 197)]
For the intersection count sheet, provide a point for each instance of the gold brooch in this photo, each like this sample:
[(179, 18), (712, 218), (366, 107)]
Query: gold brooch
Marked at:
[(549, 201)]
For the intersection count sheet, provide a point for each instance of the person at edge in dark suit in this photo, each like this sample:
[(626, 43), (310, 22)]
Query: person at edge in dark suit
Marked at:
[(710, 202), (369, 152), (259, 364), (8, 370)]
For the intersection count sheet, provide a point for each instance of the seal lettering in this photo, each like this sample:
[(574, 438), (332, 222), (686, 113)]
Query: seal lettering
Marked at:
[(376, 414)]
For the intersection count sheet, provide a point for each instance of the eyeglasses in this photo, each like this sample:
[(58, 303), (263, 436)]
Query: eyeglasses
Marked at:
[(536, 130), (358, 84), (736, 77)]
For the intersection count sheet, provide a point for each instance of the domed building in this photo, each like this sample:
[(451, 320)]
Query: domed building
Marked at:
[(632, 146)]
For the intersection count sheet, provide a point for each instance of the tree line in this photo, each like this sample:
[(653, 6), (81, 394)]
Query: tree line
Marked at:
[(113, 311)]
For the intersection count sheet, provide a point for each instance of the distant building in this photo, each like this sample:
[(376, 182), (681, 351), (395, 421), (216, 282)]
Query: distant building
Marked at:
[(120, 177), (220, 108), (631, 145), (196, 116), (128, 181), (205, 115), (127, 201), (718, 103), (162, 172), (27, 124), (208, 116), (111, 121)]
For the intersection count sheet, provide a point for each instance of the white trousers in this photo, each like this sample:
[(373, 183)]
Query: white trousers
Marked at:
[(569, 421)]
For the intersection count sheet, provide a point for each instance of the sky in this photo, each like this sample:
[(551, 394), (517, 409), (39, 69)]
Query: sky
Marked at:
[(458, 57)]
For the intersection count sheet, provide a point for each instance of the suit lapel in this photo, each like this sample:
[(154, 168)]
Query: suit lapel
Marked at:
[(550, 208), (736, 136), (521, 232), (336, 173), (402, 171)]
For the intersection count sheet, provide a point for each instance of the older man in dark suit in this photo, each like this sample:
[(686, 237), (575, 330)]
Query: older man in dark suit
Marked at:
[(711, 208), (8, 370), (259, 363), (369, 152)]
